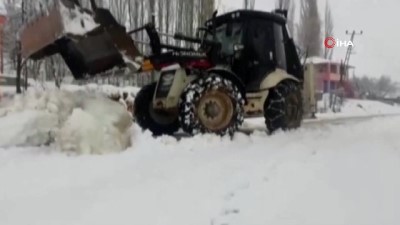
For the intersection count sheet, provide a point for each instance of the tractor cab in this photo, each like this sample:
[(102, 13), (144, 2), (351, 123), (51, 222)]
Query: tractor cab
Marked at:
[(253, 44)]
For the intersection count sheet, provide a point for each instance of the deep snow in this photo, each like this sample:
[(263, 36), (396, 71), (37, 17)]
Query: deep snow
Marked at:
[(341, 173), (334, 175)]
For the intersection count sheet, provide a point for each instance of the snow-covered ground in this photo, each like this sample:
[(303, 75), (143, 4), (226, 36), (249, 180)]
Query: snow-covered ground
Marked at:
[(359, 108), (337, 175), (352, 108), (333, 173)]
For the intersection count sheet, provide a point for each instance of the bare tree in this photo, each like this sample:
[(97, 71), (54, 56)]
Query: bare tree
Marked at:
[(10, 41), (168, 20), (87, 4), (328, 53), (33, 69), (151, 11), (206, 9), (19, 54), (309, 29), (55, 69), (375, 88), (161, 11), (119, 10), (283, 4), (290, 6), (385, 86), (249, 4), (291, 18)]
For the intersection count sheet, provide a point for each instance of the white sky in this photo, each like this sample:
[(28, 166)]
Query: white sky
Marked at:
[(378, 49)]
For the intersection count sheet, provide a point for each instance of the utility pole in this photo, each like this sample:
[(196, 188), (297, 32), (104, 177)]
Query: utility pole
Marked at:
[(344, 65), (349, 52)]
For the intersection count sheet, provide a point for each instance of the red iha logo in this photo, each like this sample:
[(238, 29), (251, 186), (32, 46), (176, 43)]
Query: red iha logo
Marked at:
[(330, 42)]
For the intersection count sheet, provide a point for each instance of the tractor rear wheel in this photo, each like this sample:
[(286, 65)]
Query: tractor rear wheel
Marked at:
[(284, 107), (158, 122), (211, 105)]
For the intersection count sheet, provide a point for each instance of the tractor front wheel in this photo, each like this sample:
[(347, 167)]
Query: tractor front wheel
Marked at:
[(284, 107), (211, 105), (158, 122)]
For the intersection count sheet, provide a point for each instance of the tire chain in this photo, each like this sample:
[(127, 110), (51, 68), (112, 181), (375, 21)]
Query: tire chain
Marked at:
[(191, 96), (274, 112)]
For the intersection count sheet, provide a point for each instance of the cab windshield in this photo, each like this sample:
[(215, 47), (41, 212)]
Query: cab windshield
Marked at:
[(228, 35)]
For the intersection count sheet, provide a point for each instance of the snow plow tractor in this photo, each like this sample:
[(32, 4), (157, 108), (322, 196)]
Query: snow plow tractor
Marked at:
[(240, 65), (246, 66)]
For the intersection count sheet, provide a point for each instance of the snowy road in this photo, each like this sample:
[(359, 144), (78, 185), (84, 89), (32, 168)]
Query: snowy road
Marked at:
[(345, 173), (258, 124)]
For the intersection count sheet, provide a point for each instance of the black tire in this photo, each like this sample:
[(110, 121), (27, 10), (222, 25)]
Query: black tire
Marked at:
[(191, 117), (158, 123), (284, 107)]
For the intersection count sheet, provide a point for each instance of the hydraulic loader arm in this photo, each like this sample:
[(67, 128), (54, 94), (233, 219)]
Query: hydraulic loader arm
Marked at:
[(91, 42)]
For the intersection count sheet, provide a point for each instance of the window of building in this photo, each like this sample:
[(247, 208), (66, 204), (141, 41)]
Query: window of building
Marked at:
[(323, 68), (326, 86), (334, 69)]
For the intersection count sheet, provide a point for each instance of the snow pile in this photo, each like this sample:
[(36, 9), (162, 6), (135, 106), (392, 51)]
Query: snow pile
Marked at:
[(124, 95), (77, 122), (30, 127), (107, 89), (6, 92), (372, 107), (91, 87), (76, 21)]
